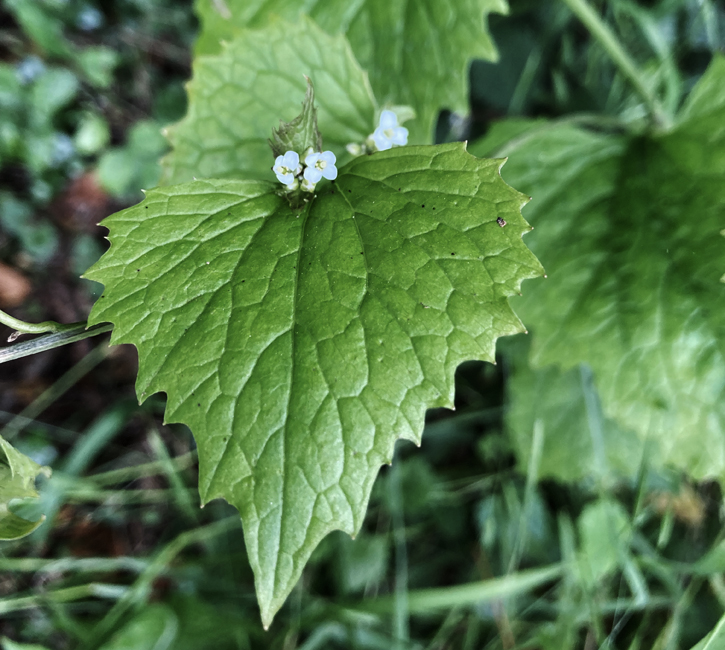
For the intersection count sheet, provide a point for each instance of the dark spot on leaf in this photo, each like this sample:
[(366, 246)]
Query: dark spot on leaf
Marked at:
[(422, 206), (500, 222), (349, 191), (138, 270), (146, 206), (361, 253), (198, 404), (452, 253)]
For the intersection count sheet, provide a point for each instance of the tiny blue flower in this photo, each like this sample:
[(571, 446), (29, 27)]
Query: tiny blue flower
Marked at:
[(287, 167), (389, 133), (320, 165)]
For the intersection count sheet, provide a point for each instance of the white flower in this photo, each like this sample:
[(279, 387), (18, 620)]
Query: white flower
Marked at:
[(287, 167), (320, 165), (389, 133)]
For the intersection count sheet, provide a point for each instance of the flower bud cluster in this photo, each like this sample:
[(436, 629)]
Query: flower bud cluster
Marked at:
[(317, 165)]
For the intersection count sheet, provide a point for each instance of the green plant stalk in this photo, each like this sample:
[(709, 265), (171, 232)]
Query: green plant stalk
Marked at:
[(66, 595), (145, 469), (68, 564), (49, 326), (125, 497), (608, 40), (77, 332), (401, 623)]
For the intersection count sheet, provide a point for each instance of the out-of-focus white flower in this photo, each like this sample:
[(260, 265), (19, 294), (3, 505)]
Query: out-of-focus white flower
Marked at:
[(389, 133), (319, 166), (287, 167)]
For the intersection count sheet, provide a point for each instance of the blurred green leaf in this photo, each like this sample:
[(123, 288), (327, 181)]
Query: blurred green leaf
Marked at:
[(8, 644), (11, 92), (51, 91), (415, 53), (361, 562), (155, 627), (41, 27), (98, 64), (125, 171), (92, 135), (17, 481), (629, 231), (604, 532), (715, 640), (262, 73), (578, 440)]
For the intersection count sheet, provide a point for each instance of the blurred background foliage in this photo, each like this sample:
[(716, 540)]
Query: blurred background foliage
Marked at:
[(463, 546)]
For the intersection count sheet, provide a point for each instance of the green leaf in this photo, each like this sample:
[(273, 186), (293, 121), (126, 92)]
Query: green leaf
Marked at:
[(416, 53), (17, 481), (54, 90), (298, 345), (9, 644), (714, 640), (579, 442), (604, 531), (43, 29), (262, 73), (628, 228), (154, 628), (301, 133)]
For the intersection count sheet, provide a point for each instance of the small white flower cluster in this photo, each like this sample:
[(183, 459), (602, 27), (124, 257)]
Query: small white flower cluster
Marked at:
[(317, 166), (387, 135)]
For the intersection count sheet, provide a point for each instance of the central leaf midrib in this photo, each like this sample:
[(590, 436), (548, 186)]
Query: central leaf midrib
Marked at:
[(285, 429)]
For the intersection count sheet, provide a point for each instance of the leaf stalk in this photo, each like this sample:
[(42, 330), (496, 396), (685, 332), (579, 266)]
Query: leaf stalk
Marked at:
[(620, 57)]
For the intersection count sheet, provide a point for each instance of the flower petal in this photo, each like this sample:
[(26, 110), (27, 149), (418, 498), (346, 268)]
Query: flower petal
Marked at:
[(312, 174), (330, 172), (328, 157), (400, 135), (291, 159), (311, 160), (381, 140), (388, 120), (286, 179)]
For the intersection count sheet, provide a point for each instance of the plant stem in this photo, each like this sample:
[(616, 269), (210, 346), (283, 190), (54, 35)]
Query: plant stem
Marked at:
[(78, 332), (65, 595), (36, 328), (606, 37), (146, 469)]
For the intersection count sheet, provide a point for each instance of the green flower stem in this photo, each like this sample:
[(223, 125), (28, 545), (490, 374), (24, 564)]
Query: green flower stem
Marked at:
[(45, 327), (606, 37)]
